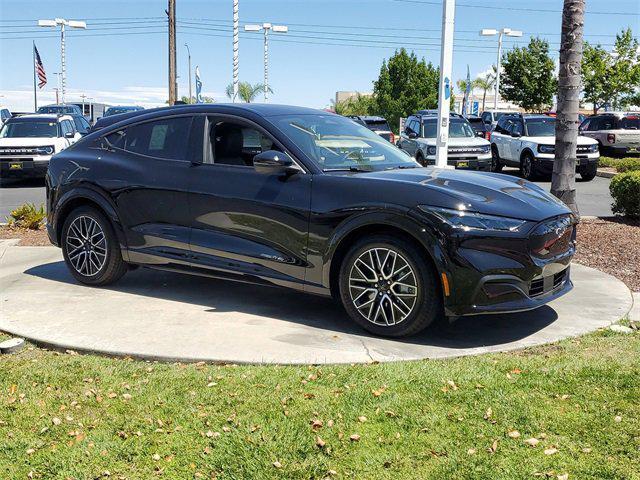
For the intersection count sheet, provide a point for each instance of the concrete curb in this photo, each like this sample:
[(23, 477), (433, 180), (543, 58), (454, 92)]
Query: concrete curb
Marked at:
[(602, 173)]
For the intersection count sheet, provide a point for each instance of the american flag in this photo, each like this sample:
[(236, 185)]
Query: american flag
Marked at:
[(42, 76)]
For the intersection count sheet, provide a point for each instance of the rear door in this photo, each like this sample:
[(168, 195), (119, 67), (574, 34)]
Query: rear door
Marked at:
[(515, 141), (147, 168), (245, 223)]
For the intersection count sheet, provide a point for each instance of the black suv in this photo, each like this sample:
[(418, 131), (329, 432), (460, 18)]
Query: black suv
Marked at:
[(300, 198)]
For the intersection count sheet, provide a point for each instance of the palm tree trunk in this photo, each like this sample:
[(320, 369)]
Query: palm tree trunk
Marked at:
[(484, 98), (564, 166)]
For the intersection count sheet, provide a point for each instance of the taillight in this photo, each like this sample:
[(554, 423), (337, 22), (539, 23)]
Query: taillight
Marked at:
[(392, 138), (611, 138), (487, 135)]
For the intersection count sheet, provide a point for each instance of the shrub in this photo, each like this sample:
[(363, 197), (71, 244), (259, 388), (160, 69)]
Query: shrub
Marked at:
[(27, 216), (625, 190), (628, 165)]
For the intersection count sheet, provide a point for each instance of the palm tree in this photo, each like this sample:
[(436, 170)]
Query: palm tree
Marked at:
[(571, 43), (246, 91), (485, 84)]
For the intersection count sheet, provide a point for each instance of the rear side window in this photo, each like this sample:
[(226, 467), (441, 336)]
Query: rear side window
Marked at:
[(167, 138), (630, 123)]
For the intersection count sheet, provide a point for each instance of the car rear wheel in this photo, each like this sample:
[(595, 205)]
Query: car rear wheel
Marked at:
[(420, 159), (496, 164), (527, 167), (90, 248), (388, 287)]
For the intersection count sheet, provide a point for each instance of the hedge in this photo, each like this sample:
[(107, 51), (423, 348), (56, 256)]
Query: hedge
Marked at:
[(625, 190)]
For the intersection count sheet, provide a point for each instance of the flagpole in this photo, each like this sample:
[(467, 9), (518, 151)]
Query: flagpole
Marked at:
[(35, 95)]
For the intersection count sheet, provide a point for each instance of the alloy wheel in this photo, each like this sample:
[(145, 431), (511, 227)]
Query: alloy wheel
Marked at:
[(86, 246), (526, 167), (383, 286)]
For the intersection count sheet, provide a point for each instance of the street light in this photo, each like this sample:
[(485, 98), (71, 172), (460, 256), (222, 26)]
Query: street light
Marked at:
[(490, 32), (266, 27), (189, 55), (62, 23)]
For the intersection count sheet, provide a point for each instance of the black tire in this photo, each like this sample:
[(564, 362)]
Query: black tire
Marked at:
[(528, 167), (427, 305), (589, 172), (496, 164), (420, 159), (105, 270)]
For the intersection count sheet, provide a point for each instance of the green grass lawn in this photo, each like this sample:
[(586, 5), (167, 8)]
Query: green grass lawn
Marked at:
[(86, 417), (626, 164)]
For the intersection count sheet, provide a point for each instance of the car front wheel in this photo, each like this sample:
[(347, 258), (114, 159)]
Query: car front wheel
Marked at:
[(90, 248), (388, 287), (496, 164), (527, 167)]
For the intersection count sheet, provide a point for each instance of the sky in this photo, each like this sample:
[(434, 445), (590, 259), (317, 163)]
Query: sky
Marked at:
[(331, 45)]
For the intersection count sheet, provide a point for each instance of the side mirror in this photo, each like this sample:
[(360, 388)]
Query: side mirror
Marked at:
[(69, 135), (273, 162), (516, 134), (413, 135), (480, 134)]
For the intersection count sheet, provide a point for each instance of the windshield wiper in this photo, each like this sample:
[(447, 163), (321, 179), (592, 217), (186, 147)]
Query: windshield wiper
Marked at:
[(401, 167), (347, 169)]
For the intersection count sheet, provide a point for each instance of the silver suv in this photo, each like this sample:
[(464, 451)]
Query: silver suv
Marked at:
[(616, 133)]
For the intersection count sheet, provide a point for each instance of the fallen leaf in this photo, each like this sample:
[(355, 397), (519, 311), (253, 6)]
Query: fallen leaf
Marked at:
[(551, 451), (112, 395), (452, 384), (316, 424), (586, 450), (56, 421), (493, 447), (618, 418), (488, 413), (513, 434), (471, 451), (516, 371), (126, 396), (156, 457), (563, 476), (362, 419), (380, 391), (319, 442), (277, 464), (355, 437), (532, 442), (30, 451)]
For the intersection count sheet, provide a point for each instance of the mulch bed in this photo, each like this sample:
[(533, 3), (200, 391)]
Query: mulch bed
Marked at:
[(611, 245)]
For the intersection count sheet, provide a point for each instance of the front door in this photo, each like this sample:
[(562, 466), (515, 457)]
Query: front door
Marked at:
[(247, 225)]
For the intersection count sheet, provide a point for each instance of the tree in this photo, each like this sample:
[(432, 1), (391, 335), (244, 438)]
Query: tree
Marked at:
[(571, 43), (527, 78), (205, 99), (405, 84), (611, 78), (485, 84), (246, 91), (358, 105)]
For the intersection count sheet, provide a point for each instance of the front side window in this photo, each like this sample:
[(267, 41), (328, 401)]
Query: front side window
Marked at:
[(29, 128), (166, 138), (541, 127), (630, 123), (378, 125), (234, 143), (335, 143), (81, 124)]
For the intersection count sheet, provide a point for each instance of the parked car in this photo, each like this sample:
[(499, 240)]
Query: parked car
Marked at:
[(82, 125), (115, 118), (491, 117), (61, 109), (5, 115), (322, 206), (28, 142), (528, 142), (480, 128), (121, 109), (375, 124), (465, 149), (616, 133)]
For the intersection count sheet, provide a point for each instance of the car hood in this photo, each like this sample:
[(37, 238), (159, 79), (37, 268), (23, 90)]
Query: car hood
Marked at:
[(484, 192), (27, 141), (458, 141), (552, 140)]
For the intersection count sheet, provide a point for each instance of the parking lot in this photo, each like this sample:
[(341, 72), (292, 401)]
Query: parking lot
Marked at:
[(593, 197)]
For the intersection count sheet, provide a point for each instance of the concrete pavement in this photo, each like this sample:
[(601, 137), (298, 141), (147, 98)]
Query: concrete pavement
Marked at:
[(168, 316), (14, 193)]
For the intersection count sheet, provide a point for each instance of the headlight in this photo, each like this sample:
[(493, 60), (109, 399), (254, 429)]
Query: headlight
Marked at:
[(431, 150), (48, 150), (486, 148), (546, 148), (466, 221), (593, 148)]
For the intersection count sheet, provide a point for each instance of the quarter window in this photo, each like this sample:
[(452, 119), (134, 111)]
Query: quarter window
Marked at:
[(166, 138), (233, 143)]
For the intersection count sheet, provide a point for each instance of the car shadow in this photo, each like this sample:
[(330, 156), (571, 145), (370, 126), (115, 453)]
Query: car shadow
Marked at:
[(22, 182), (318, 312)]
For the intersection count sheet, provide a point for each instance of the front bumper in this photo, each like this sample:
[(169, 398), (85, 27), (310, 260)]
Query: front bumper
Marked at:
[(465, 162), (544, 161), (24, 167)]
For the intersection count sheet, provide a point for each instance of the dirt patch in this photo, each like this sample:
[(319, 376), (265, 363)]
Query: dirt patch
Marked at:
[(28, 238), (612, 246)]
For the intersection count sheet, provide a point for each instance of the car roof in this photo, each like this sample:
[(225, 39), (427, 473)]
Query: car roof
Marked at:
[(45, 116)]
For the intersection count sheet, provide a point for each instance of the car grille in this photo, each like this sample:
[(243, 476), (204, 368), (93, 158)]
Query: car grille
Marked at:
[(584, 149), (542, 285), (24, 151)]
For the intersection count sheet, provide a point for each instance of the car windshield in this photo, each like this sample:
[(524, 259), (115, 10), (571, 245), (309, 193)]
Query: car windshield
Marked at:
[(458, 128), (118, 110), (541, 127), (337, 143), (29, 128), (378, 125), (58, 109)]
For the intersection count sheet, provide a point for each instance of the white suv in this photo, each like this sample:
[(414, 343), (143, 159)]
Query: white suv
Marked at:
[(528, 142), (28, 142), (465, 149), (616, 133)]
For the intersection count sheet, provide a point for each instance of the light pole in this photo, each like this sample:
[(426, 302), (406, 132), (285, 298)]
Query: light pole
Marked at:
[(62, 23), (235, 50), (57, 88), (489, 32), (266, 27), (189, 56), (444, 96)]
